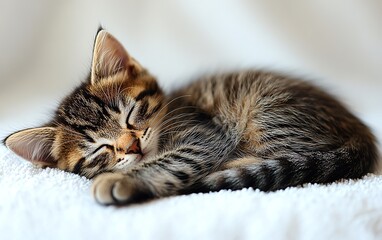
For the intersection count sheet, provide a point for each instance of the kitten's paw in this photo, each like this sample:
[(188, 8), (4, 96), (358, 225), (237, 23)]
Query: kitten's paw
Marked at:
[(114, 189)]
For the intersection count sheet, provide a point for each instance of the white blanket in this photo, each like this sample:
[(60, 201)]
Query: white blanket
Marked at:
[(52, 204)]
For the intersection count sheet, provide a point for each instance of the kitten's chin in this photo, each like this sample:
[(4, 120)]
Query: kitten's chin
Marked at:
[(149, 151), (147, 155)]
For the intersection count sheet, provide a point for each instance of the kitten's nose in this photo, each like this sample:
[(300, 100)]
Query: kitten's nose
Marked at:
[(135, 148)]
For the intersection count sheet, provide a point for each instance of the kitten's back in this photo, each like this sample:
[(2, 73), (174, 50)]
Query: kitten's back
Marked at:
[(290, 131)]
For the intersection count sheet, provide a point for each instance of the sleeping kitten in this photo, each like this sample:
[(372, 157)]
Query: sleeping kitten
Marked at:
[(230, 131)]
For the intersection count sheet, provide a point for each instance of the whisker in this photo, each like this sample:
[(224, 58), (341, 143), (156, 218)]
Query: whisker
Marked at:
[(172, 111), (174, 118), (177, 98), (179, 108), (174, 126)]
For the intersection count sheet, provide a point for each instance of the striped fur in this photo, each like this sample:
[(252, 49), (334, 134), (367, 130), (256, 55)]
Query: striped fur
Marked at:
[(229, 131)]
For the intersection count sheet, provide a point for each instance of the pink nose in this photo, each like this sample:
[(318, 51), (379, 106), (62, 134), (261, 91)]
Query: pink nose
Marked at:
[(135, 148)]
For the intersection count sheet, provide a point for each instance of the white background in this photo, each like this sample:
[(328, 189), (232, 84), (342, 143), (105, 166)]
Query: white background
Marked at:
[(45, 47)]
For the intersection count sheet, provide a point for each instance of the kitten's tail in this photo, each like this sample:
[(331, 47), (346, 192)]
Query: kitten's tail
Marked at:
[(293, 170)]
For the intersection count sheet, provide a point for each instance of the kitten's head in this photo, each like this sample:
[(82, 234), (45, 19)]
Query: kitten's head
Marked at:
[(109, 123)]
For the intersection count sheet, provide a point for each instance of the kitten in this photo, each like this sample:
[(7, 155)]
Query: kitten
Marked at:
[(230, 131)]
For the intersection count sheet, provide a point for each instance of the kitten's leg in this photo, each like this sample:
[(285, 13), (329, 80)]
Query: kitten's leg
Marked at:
[(168, 175), (234, 174), (200, 153), (280, 172), (247, 172), (118, 188)]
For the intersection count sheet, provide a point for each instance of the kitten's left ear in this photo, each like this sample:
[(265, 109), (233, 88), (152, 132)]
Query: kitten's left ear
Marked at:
[(110, 57), (34, 145)]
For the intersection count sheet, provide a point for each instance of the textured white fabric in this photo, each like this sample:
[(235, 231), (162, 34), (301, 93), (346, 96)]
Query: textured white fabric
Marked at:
[(52, 204)]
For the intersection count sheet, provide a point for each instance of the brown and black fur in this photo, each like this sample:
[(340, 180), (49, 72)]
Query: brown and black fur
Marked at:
[(230, 131)]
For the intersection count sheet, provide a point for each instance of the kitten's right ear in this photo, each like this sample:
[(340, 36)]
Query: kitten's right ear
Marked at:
[(110, 57), (34, 145)]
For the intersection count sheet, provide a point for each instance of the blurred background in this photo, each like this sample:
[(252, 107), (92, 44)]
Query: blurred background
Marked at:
[(46, 47)]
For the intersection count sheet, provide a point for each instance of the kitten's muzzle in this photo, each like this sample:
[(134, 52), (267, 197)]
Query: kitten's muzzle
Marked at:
[(128, 143)]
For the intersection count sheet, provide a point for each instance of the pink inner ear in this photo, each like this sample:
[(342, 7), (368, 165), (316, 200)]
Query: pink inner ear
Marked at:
[(109, 56), (34, 145)]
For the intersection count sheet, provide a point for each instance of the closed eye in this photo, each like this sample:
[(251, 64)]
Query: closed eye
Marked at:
[(103, 146), (128, 125)]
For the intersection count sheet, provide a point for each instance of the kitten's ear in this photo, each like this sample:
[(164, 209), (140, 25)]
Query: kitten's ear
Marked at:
[(34, 145), (110, 57)]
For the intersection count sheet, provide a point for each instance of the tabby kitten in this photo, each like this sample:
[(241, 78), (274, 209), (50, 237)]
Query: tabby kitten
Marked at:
[(230, 131)]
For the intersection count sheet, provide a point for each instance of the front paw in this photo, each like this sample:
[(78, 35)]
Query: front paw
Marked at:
[(114, 189)]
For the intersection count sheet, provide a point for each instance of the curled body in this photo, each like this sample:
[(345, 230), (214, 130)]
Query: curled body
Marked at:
[(228, 131)]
